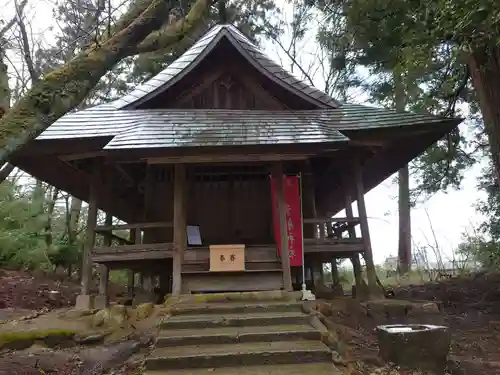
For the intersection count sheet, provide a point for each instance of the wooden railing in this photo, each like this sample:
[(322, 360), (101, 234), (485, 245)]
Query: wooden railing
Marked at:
[(147, 225), (335, 227), (329, 235), (134, 248)]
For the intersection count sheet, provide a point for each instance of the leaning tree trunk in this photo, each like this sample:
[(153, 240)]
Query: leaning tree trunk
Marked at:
[(484, 64), (64, 88)]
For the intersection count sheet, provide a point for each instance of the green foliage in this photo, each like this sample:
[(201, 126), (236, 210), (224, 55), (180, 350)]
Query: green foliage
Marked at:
[(478, 249), (23, 222), (391, 38)]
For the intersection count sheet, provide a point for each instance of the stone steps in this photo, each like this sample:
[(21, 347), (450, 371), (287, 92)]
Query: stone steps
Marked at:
[(291, 369), (237, 337), (235, 308), (233, 335), (239, 354), (232, 320)]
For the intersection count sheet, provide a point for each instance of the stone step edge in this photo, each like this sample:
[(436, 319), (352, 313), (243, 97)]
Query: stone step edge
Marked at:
[(258, 296), (281, 369), (249, 358), (220, 308), (200, 322), (228, 338)]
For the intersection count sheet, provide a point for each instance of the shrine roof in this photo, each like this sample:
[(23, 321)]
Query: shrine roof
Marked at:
[(130, 127), (200, 127), (200, 50)]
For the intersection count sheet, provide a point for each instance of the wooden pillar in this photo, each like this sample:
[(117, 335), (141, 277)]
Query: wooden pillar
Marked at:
[(335, 272), (134, 237), (102, 300), (329, 229), (179, 222), (277, 173), (356, 263), (309, 201), (365, 231), (84, 301), (90, 239)]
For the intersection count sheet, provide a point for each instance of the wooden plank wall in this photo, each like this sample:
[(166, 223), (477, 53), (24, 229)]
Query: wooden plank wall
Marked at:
[(231, 210), (229, 207)]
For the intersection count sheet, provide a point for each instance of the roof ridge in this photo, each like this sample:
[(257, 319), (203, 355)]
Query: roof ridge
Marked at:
[(201, 48)]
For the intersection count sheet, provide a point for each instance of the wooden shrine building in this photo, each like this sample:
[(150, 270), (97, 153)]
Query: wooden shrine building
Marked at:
[(193, 149)]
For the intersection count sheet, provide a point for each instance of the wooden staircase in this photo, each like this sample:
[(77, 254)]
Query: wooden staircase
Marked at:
[(239, 338)]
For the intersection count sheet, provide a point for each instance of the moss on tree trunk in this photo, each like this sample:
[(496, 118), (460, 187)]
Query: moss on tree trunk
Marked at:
[(64, 88)]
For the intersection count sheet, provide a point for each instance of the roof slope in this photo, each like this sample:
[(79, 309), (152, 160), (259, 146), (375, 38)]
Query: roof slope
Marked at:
[(194, 55), (217, 127), (132, 128)]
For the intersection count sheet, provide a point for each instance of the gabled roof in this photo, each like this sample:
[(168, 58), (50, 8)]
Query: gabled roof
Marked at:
[(194, 55), (217, 127), (130, 128)]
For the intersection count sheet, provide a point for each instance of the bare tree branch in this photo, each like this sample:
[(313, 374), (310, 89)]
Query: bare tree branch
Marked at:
[(12, 22), (63, 89), (25, 45)]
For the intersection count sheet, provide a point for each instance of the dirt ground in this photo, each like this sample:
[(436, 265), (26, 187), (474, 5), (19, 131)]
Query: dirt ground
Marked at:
[(471, 309), (40, 302)]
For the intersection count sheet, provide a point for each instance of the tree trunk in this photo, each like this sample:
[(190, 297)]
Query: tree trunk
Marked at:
[(484, 65), (404, 242), (5, 98), (48, 223), (64, 88), (74, 218)]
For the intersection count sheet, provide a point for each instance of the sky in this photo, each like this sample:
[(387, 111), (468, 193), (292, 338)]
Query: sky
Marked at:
[(441, 220)]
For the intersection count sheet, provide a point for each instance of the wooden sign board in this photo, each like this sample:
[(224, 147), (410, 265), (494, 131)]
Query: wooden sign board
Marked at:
[(227, 258)]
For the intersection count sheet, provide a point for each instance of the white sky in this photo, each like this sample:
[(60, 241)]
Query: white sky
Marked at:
[(450, 214)]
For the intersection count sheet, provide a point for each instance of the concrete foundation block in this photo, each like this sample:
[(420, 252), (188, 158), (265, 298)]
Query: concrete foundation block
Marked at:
[(101, 302), (84, 302)]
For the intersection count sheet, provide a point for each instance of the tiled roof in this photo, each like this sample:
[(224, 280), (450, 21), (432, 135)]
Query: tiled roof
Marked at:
[(173, 128), (194, 55)]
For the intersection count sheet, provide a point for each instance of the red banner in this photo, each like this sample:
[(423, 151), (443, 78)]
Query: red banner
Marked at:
[(293, 218)]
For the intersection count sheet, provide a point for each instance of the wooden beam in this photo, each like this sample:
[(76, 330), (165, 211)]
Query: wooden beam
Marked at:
[(134, 248), (365, 231), (107, 236), (90, 235), (351, 220), (309, 200), (158, 224), (190, 159), (82, 155), (277, 174), (180, 240), (356, 263), (333, 241)]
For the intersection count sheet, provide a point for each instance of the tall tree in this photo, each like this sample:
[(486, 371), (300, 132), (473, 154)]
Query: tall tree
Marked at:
[(141, 29), (460, 40)]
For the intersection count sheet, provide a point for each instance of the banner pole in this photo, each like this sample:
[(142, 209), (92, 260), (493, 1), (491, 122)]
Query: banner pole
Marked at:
[(302, 235)]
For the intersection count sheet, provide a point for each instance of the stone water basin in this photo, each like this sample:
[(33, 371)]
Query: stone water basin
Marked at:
[(422, 347)]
